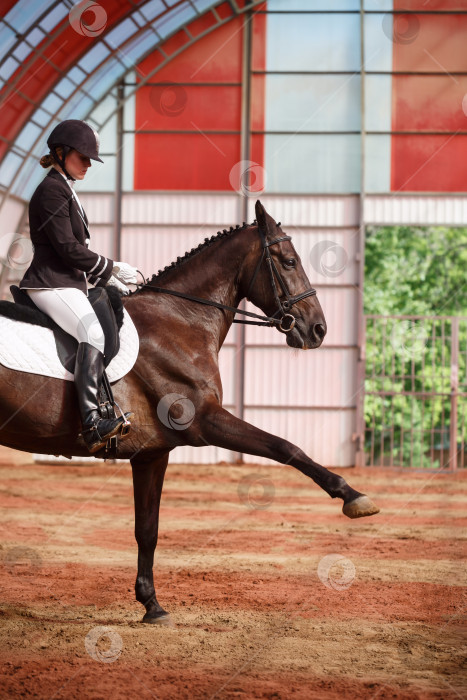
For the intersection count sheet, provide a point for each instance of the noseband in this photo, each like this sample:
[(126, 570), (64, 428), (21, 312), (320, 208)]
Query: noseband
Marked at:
[(283, 305)]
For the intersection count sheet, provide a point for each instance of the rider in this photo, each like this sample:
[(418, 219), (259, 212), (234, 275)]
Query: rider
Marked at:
[(62, 265)]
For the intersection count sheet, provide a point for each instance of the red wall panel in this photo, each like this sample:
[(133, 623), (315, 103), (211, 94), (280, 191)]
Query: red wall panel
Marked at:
[(185, 161), (429, 103), (430, 163), (186, 96)]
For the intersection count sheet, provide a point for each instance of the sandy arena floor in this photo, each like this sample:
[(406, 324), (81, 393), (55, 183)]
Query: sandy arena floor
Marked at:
[(260, 608)]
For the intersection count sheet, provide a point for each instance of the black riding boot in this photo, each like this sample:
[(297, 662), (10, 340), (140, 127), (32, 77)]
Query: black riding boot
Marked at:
[(89, 368)]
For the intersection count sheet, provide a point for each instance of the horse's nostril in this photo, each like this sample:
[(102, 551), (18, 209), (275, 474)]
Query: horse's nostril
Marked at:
[(319, 330)]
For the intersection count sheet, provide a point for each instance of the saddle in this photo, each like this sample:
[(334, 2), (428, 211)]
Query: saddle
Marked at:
[(108, 307)]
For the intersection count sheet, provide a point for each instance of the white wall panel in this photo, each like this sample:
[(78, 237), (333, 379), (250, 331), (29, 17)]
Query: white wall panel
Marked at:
[(102, 240), (170, 208), (151, 249), (324, 435), (277, 377), (227, 372), (424, 210), (201, 455), (11, 212), (303, 210), (340, 310), (329, 256), (99, 207)]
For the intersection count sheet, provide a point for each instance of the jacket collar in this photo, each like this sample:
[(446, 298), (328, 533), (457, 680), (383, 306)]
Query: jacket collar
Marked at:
[(58, 176)]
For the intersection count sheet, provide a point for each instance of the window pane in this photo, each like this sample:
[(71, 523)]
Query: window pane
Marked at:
[(315, 42), (94, 57), (28, 136), (31, 175), (8, 68), (152, 9), (378, 42), (312, 102), (377, 163), (54, 17), (174, 19), (9, 167), (24, 14), (378, 101), (7, 39), (101, 177), (313, 164), (314, 5)]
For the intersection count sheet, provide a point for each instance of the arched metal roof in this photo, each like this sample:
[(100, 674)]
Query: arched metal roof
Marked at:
[(61, 61)]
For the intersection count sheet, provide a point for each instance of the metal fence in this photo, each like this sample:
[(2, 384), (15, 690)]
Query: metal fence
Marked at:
[(415, 402)]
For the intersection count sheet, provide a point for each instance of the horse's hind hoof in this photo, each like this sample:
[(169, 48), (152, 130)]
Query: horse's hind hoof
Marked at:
[(360, 507), (163, 620)]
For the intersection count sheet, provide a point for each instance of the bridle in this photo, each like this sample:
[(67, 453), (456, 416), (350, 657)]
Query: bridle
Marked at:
[(283, 306)]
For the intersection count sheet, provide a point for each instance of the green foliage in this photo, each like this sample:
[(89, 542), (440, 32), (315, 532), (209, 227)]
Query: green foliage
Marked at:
[(414, 272)]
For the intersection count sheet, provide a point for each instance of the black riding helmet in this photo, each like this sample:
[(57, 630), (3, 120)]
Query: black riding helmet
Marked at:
[(74, 133)]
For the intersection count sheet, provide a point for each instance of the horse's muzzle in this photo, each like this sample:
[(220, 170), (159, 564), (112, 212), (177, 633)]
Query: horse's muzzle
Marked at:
[(306, 338)]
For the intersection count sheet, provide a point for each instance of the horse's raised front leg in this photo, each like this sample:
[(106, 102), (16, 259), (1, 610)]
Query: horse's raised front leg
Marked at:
[(220, 428), (148, 478)]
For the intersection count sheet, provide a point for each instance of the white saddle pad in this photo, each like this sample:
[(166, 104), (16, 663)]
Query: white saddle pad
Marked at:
[(28, 348)]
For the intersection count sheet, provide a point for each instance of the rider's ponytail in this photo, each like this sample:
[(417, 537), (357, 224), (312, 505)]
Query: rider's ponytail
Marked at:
[(48, 160)]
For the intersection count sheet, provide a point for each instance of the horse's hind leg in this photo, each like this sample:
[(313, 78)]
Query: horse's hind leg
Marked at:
[(219, 427), (148, 478)]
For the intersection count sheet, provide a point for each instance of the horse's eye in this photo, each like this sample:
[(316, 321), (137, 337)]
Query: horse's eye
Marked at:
[(290, 263)]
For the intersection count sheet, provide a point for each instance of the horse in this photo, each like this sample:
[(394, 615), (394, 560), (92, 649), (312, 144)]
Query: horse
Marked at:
[(174, 388)]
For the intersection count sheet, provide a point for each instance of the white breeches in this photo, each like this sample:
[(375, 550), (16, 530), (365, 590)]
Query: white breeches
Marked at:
[(71, 310)]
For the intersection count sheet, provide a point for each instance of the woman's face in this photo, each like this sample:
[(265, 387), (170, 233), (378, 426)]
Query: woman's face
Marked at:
[(77, 164)]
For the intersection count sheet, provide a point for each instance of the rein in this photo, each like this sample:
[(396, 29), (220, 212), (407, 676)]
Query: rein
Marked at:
[(282, 306)]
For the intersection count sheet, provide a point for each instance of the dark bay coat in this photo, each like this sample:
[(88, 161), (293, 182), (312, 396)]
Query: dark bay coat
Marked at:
[(59, 236)]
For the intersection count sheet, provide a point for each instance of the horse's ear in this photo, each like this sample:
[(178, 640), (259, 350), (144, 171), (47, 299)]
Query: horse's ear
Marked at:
[(261, 216)]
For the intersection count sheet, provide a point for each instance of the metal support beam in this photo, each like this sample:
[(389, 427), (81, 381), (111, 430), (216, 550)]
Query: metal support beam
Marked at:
[(117, 233), (244, 155), (454, 393), (359, 435)]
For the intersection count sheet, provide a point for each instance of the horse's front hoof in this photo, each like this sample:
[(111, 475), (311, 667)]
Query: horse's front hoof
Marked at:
[(162, 619), (360, 507)]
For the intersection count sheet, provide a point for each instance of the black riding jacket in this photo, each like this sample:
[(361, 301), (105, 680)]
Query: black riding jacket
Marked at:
[(60, 239)]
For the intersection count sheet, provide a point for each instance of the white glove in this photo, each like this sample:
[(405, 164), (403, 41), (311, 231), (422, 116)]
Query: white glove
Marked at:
[(114, 282), (125, 273)]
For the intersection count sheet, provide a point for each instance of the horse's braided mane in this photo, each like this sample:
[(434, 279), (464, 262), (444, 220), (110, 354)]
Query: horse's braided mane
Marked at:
[(194, 251)]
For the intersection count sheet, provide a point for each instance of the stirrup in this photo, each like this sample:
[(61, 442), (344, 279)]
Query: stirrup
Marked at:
[(126, 425)]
